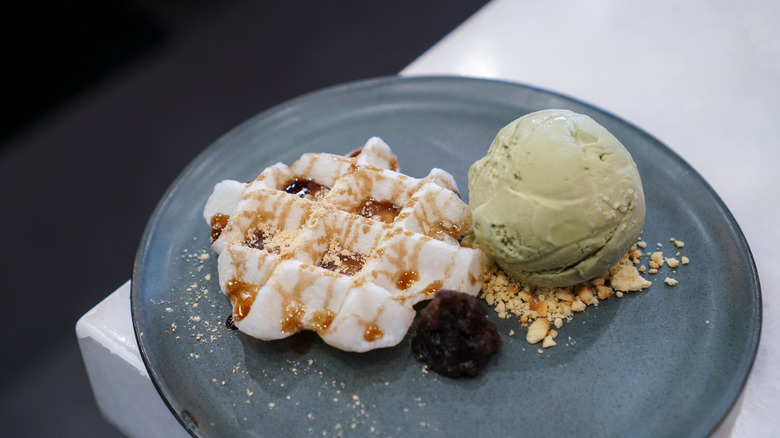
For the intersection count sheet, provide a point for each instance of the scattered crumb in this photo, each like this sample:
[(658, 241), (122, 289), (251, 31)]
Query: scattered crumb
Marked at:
[(670, 281)]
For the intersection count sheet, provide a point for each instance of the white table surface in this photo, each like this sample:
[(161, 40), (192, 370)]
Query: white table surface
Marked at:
[(701, 76)]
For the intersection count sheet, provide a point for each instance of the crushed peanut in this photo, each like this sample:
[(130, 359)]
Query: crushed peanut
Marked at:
[(538, 330), (539, 307)]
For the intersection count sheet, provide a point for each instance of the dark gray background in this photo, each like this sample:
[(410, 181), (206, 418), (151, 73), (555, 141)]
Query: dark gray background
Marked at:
[(105, 103)]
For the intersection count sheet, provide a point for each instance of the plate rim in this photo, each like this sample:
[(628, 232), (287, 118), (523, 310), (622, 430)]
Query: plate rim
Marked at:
[(730, 394)]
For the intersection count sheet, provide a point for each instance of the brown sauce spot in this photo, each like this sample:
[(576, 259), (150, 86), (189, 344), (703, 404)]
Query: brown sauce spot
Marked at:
[(355, 153), (218, 223), (242, 295), (439, 229), (292, 318), (346, 264), (432, 288), (322, 319), (373, 333), (384, 211), (306, 188), (406, 279)]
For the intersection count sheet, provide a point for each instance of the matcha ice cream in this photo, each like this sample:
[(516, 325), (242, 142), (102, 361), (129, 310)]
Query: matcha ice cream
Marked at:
[(557, 200)]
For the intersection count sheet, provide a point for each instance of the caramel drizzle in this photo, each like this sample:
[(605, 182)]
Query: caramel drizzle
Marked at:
[(242, 294), (403, 260), (292, 316), (406, 279), (321, 319), (373, 333), (306, 188), (437, 228), (384, 211), (218, 223), (432, 287), (347, 264), (440, 228)]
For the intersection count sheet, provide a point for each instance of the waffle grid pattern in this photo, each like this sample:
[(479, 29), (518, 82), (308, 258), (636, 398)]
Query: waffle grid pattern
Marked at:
[(343, 246)]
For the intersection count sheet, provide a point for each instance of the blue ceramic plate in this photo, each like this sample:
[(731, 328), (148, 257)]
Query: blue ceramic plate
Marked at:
[(668, 361)]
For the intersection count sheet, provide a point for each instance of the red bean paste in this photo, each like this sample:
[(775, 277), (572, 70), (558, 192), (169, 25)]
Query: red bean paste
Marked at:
[(454, 336)]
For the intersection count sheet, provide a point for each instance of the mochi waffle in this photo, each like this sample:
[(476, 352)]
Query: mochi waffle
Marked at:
[(340, 245)]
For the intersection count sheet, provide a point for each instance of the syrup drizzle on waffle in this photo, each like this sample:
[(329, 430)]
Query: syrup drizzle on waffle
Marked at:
[(340, 245)]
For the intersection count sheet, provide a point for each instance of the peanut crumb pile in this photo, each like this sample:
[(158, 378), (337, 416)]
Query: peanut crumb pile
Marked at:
[(544, 309)]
